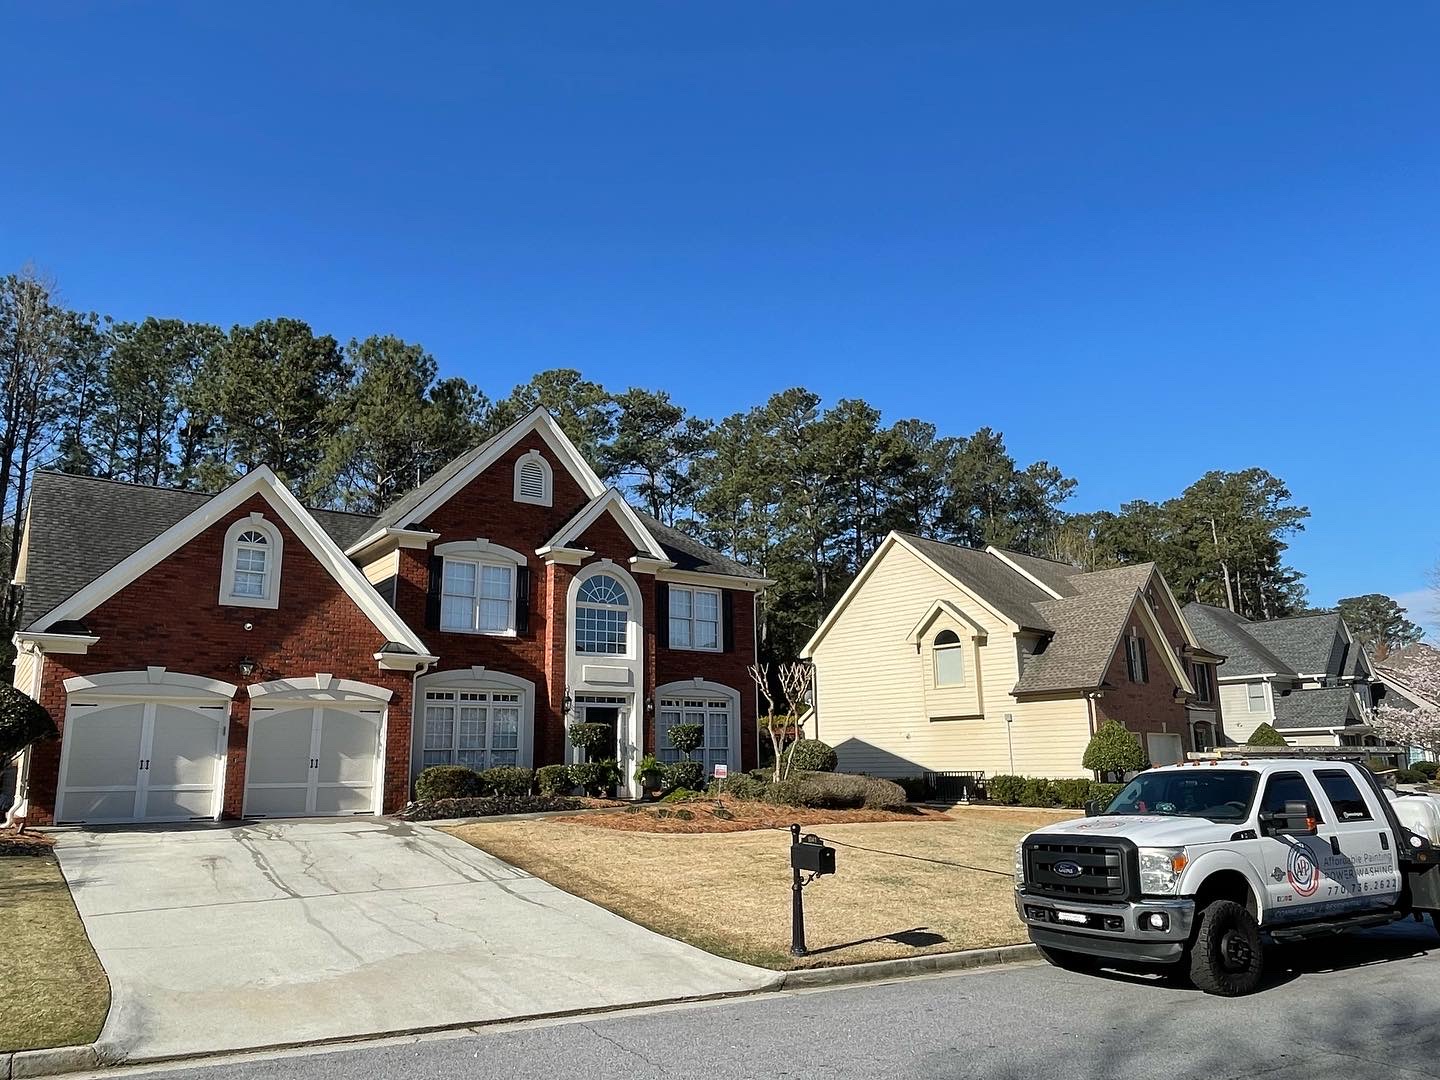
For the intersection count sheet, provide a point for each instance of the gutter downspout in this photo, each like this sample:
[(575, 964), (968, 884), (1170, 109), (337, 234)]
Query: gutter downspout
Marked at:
[(20, 808)]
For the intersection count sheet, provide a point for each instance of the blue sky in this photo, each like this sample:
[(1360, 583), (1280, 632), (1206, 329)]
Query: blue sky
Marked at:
[(1143, 240)]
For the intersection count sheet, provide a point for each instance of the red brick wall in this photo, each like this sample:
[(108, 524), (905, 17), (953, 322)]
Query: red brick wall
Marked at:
[(1148, 706), (727, 668), (171, 617)]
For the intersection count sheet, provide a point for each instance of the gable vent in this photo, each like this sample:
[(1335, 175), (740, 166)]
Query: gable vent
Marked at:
[(532, 480)]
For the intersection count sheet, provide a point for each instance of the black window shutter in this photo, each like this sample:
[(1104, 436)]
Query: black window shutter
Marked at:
[(662, 614), (522, 600), (432, 593), (727, 620), (1144, 661)]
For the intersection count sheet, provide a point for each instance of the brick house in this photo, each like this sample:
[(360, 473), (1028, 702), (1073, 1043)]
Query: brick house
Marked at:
[(943, 658), (242, 655)]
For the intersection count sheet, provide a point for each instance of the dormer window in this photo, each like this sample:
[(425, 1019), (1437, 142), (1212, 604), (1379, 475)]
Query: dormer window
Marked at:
[(949, 659), (250, 573), (533, 480)]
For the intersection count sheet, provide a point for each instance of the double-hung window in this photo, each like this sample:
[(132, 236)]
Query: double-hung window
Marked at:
[(477, 728), (713, 714), (1136, 663), (478, 596), (694, 618), (1255, 696), (1204, 692)]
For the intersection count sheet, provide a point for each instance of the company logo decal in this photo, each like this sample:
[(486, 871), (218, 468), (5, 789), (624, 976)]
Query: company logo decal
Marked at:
[(1304, 875), (1067, 869)]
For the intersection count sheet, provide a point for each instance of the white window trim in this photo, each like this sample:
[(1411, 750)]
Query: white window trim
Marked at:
[(697, 687), (633, 627), (481, 553), (275, 548), (466, 680), (1264, 700), (958, 646), (719, 645), (547, 496)]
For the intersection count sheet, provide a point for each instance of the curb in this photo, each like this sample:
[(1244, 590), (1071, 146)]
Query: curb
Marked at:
[(929, 964), (25, 1064)]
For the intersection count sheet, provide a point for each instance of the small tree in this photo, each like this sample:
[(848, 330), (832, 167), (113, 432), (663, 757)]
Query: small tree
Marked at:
[(1113, 750), (1417, 721), (1265, 735), (687, 738), (590, 738), (785, 729)]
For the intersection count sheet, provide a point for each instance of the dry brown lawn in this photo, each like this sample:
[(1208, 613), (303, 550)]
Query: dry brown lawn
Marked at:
[(729, 893), (53, 991)]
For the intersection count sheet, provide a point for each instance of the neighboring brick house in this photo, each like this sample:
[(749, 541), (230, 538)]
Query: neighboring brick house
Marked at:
[(944, 658), (241, 655)]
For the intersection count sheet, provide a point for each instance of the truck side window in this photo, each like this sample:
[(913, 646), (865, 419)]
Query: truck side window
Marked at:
[(1288, 787), (1344, 796)]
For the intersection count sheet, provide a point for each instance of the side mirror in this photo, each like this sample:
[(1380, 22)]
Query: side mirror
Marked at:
[(1095, 807), (1294, 820)]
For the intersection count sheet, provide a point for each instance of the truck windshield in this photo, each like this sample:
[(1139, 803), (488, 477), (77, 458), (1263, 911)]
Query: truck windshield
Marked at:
[(1219, 795)]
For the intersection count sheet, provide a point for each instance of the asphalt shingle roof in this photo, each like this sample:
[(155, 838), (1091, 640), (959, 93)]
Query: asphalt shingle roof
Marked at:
[(1308, 644), (1056, 575), (690, 554), (1326, 707), (81, 526), (990, 579), (1226, 633), (1087, 628)]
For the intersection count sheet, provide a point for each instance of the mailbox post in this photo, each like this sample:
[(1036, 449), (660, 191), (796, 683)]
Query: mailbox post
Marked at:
[(808, 855)]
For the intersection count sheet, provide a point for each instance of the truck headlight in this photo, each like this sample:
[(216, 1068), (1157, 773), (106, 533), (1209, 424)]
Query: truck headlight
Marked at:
[(1019, 864), (1160, 869)]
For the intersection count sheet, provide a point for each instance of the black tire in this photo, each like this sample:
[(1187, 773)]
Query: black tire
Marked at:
[(1070, 961), (1227, 957)]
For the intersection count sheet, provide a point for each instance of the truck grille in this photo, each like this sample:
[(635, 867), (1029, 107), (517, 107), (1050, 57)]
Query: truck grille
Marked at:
[(1102, 869)]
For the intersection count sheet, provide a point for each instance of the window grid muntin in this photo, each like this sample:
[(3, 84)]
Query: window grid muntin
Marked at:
[(475, 728), (713, 714), (477, 596), (694, 618)]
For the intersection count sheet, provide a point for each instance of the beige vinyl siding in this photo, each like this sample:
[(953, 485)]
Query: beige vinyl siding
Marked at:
[(1240, 722), (878, 705), (1312, 738), (27, 672), (386, 566)]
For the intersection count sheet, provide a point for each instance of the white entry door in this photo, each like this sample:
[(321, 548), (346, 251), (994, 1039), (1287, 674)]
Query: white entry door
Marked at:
[(313, 759), (130, 761)]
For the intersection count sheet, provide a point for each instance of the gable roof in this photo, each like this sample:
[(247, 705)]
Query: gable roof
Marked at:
[(1326, 707), (53, 565), (415, 505), (614, 503), (690, 554), (116, 520), (1221, 630), (979, 572), (1306, 643), (1049, 574), (1315, 644)]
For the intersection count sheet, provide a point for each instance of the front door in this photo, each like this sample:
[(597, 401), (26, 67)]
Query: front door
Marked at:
[(613, 711)]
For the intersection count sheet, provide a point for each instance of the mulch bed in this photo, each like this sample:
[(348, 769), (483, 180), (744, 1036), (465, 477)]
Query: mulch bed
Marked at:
[(13, 843), (727, 815)]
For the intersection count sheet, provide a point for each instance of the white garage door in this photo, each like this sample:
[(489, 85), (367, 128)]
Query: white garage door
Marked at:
[(125, 761), (1165, 749), (313, 759)]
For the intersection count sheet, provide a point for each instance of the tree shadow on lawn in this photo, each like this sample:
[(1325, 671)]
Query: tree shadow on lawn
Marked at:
[(919, 938)]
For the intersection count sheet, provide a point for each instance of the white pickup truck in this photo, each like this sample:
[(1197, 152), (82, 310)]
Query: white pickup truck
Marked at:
[(1196, 864)]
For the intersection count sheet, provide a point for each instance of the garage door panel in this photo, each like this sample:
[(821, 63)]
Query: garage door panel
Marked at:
[(103, 747), (344, 799), (348, 743), (98, 806), (179, 805), (277, 802), (183, 748), (280, 744)]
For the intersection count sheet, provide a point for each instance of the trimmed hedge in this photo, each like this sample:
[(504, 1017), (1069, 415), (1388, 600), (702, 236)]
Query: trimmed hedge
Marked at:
[(554, 780), (596, 777), (448, 782), (507, 781), (812, 755), (837, 791), (1039, 792), (686, 774), (1005, 789), (488, 807)]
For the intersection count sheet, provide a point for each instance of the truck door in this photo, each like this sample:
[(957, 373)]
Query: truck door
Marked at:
[(1291, 865), (1362, 868)]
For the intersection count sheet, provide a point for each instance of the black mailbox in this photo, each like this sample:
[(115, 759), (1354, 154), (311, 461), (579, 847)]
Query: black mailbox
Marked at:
[(812, 858)]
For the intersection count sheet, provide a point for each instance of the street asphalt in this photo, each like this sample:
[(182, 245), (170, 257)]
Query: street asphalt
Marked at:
[(1367, 1006)]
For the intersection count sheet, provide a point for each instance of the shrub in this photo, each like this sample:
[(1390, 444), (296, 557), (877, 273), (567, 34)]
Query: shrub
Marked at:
[(1112, 749), (1037, 791), (23, 720), (591, 738), (1105, 793), (1005, 789), (1073, 794), (554, 780), (1410, 776), (1265, 735), (746, 786), (812, 755), (1429, 768), (488, 807), (837, 791), (507, 780), (917, 788), (448, 782), (687, 738), (596, 777), (680, 794), (685, 774)]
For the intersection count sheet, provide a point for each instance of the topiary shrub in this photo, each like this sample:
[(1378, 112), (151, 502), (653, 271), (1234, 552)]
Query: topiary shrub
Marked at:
[(554, 780), (685, 774), (1005, 789), (1073, 794), (837, 791), (1112, 749), (687, 738), (812, 755), (507, 781), (448, 782), (1265, 735), (23, 720), (592, 739), (1038, 791), (596, 778)]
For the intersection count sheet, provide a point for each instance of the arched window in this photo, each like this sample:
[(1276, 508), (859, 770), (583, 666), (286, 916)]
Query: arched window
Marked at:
[(602, 616), (533, 479), (250, 574), (949, 659)]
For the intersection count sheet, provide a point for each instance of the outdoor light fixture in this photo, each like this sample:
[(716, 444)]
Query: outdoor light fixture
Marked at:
[(247, 667), (566, 703)]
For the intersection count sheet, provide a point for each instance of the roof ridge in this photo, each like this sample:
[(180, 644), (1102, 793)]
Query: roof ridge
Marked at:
[(175, 490)]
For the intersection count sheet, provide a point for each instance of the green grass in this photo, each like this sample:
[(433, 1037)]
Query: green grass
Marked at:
[(53, 991)]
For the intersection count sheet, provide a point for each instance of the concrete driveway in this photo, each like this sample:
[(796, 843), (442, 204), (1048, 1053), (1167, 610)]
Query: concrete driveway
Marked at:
[(258, 935)]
